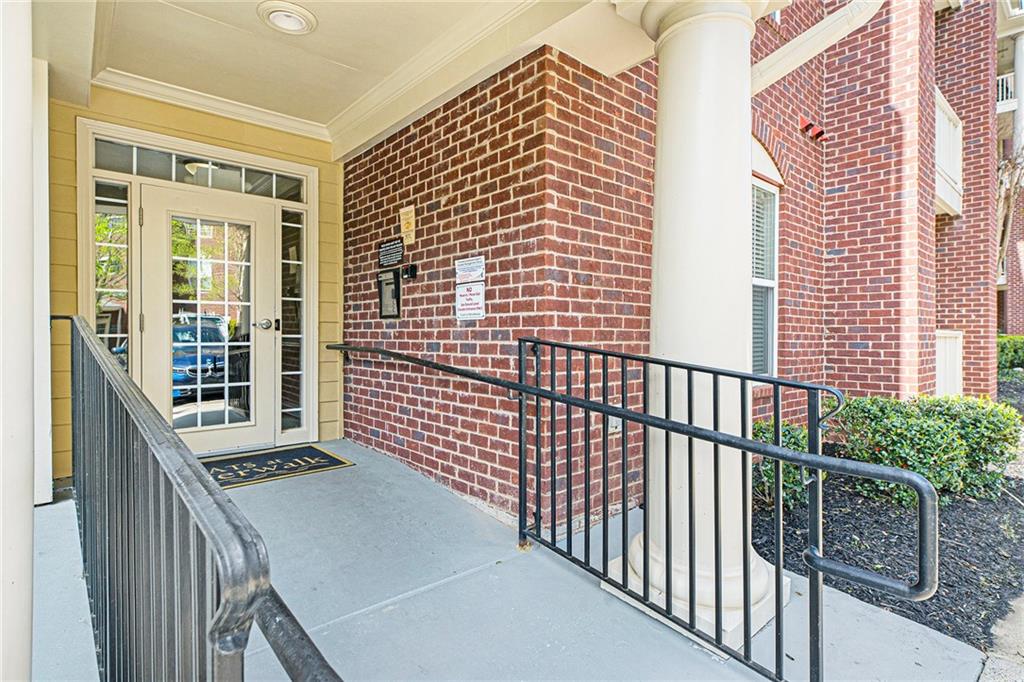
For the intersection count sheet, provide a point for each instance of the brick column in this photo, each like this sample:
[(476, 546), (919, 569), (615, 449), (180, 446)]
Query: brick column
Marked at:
[(879, 206), (1015, 273), (967, 245)]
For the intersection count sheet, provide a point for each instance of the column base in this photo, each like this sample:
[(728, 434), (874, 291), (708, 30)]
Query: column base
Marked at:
[(761, 612)]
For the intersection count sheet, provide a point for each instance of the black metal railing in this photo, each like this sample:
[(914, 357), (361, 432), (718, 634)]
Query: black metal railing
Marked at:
[(564, 492), (175, 572)]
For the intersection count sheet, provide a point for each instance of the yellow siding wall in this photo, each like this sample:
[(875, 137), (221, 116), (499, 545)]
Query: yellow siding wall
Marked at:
[(146, 114)]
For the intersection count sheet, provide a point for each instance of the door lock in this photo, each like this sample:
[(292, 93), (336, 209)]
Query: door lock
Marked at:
[(265, 323)]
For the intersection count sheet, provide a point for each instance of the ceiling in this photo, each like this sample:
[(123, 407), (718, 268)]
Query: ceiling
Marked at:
[(223, 48), (367, 69)]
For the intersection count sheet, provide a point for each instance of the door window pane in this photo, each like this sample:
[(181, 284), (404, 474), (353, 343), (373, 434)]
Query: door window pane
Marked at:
[(110, 265), (114, 156), (153, 163), (238, 243), (227, 177), (288, 188), (212, 360), (191, 170), (292, 249), (259, 183)]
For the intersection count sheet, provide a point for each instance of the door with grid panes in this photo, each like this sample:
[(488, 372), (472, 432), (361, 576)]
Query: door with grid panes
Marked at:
[(210, 321)]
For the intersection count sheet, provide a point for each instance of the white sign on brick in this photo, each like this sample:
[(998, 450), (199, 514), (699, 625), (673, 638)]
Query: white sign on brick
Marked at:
[(469, 301), (470, 270)]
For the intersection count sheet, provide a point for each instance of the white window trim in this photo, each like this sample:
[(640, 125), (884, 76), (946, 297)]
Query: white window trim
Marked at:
[(772, 284), (87, 130)]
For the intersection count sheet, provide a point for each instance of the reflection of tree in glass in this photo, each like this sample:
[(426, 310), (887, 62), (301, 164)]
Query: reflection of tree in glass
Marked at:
[(110, 228), (183, 245), (183, 238), (238, 275)]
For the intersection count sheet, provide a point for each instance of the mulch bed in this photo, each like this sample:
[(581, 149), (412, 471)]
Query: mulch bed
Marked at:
[(1011, 389), (981, 553)]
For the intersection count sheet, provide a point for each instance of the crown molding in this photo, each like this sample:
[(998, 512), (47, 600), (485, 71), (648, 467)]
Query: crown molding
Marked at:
[(211, 104)]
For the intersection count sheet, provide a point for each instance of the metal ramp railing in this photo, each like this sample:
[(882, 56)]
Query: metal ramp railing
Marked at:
[(579, 382)]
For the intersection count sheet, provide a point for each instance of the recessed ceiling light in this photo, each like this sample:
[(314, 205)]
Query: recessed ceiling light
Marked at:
[(286, 17)]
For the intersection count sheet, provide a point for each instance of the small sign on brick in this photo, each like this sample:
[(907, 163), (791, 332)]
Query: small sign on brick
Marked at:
[(470, 291), (390, 253)]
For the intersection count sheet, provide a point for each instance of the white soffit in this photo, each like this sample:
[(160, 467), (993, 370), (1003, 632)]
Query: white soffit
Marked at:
[(472, 50), (368, 68), (1009, 20), (62, 34)]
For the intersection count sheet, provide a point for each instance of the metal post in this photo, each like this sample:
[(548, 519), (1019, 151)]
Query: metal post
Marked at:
[(817, 652), (523, 542)]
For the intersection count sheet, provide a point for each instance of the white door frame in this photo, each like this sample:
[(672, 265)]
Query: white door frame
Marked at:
[(88, 130)]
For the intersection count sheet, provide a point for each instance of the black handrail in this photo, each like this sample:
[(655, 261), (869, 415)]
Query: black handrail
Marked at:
[(818, 565), (176, 573)]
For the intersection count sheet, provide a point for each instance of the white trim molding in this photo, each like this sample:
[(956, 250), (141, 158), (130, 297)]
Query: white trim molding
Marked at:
[(811, 43), (211, 104), (87, 132)]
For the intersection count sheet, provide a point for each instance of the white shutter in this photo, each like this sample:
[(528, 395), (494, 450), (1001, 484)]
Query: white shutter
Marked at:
[(763, 270), (764, 329), (763, 224)]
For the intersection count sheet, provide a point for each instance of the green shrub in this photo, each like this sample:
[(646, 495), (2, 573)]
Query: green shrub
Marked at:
[(794, 437), (960, 444), (895, 433), (991, 434), (1010, 351)]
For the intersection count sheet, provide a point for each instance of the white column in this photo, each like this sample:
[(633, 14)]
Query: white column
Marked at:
[(16, 347), (1018, 91), (701, 293), (43, 430)]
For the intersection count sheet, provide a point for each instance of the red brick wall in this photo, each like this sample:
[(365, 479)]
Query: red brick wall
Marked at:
[(879, 213), (1015, 273), (546, 169), (967, 246), (776, 121)]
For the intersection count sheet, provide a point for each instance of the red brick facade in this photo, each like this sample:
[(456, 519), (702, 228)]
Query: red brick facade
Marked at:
[(546, 169), (967, 246), (1014, 295), (879, 216), (799, 158)]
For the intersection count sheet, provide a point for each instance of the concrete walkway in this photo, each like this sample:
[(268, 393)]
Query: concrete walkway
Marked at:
[(63, 646), (397, 578)]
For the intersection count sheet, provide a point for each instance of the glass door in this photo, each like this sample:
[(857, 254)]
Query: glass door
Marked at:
[(209, 325)]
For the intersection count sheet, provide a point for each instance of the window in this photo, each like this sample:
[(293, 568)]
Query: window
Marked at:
[(192, 170), (776, 16), (764, 219), (110, 258), (292, 250)]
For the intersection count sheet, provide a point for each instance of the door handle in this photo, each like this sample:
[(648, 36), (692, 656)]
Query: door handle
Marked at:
[(265, 323)]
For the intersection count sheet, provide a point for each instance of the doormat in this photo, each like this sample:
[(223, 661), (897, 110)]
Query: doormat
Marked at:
[(249, 468)]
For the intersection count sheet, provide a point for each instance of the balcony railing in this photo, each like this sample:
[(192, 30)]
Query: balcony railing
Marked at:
[(949, 154), (1006, 95), (175, 573)]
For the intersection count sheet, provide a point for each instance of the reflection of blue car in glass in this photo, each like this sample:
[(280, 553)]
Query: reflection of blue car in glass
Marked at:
[(193, 363), (120, 353)]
